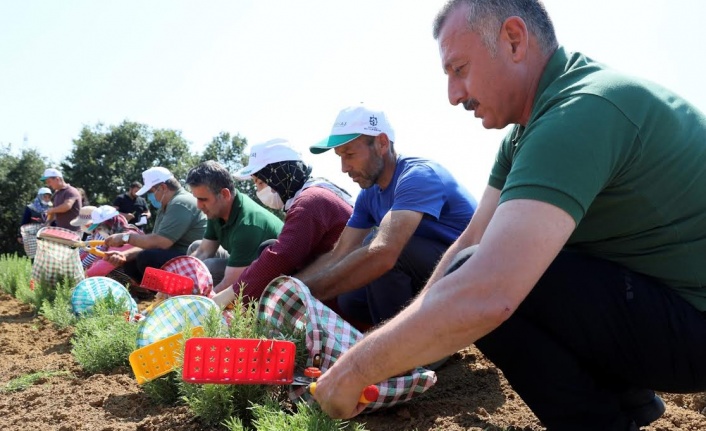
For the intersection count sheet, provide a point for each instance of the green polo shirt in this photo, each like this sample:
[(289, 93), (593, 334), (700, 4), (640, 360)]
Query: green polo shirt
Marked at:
[(625, 158), (247, 227)]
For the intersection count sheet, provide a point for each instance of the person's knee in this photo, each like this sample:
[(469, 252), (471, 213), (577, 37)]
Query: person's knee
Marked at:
[(192, 248), (461, 258)]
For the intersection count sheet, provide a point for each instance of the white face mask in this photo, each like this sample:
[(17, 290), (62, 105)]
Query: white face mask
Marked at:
[(270, 198)]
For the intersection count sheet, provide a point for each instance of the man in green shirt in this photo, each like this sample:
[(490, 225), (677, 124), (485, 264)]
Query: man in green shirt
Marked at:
[(581, 274), (179, 223), (236, 228)]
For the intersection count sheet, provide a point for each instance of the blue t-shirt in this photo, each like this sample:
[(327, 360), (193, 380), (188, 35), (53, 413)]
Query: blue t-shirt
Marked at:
[(423, 186)]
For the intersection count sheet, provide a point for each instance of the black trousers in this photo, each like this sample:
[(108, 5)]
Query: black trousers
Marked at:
[(591, 330), (386, 296), (151, 258)]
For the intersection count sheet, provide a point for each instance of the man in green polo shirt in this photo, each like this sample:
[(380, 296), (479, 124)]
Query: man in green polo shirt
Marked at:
[(236, 226)]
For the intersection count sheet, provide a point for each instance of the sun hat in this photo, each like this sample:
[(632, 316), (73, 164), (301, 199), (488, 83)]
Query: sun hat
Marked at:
[(265, 153), (51, 172), (84, 217), (152, 177), (101, 214), (43, 191), (352, 122)]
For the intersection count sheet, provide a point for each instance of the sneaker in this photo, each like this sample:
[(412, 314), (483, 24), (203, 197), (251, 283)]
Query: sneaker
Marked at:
[(642, 406)]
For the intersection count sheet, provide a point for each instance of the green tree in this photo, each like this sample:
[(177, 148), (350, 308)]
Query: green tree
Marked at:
[(105, 160), (19, 178)]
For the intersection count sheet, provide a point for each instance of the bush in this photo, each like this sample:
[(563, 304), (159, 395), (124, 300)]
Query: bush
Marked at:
[(60, 312), (270, 417), (15, 273), (104, 340)]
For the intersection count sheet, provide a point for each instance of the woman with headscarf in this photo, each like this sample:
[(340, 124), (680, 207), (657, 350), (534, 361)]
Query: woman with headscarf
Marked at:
[(35, 213), (316, 211)]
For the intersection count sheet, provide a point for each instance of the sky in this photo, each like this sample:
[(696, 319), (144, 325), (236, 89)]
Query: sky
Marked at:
[(277, 68)]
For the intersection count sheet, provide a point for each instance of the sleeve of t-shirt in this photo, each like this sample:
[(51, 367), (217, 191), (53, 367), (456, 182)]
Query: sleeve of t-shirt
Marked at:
[(420, 189), (568, 155), (361, 217), (176, 221), (210, 232)]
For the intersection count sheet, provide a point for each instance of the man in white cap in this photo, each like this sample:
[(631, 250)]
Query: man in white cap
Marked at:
[(179, 222), (67, 199), (236, 226), (409, 212)]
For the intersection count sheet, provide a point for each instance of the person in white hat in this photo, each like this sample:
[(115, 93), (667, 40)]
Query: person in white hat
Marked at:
[(67, 199), (179, 223), (84, 221), (36, 211), (236, 226), (409, 211), (103, 222), (316, 213)]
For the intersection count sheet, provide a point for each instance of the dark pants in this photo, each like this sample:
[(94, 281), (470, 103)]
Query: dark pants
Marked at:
[(390, 293), (591, 331), (152, 258)]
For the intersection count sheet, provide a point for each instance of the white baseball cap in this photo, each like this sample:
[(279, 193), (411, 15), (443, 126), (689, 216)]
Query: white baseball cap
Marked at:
[(153, 176), (262, 154), (51, 172), (352, 122), (43, 191), (101, 214)]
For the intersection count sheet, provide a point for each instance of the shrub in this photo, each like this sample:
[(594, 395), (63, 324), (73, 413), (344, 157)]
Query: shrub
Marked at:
[(59, 312), (15, 273), (270, 417), (104, 339)]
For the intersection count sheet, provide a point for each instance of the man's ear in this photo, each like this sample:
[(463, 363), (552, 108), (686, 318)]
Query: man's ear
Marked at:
[(514, 33), (383, 143), (225, 193)]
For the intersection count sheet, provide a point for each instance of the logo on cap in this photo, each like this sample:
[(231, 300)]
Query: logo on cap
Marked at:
[(373, 120)]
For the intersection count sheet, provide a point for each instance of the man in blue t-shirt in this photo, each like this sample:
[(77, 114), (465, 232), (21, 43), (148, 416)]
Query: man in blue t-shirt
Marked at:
[(409, 212)]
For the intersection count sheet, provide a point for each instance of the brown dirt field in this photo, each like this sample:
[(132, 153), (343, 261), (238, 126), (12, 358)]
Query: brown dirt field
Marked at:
[(471, 394)]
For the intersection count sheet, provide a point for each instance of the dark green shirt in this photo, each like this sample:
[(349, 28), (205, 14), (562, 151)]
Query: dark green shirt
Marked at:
[(247, 227), (626, 159)]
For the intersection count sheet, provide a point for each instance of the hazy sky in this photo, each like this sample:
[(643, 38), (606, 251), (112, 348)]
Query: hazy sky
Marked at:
[(280, 68)]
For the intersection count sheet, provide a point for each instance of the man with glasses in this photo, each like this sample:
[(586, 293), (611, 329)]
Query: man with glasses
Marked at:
[(179, 222)]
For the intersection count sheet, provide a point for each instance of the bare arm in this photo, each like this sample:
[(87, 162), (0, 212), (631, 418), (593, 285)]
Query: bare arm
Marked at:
[(60, 209), (144, 242), (367, 263), (520, 242), (349, 240), (206, 249), (472, 234)]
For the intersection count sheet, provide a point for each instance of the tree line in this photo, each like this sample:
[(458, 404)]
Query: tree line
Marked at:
[(104, 160)]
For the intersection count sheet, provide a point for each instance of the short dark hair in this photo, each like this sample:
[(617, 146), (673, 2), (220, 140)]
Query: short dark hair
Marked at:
[(212, 175), (135, 184)]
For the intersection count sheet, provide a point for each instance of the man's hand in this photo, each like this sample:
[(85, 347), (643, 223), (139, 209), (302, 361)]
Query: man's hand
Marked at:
[(116, 258), (224, 297), (115, 240), (338, 393)]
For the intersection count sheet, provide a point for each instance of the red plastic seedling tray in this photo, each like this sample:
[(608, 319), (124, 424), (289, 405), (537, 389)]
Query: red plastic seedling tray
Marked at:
[(167, 282), (238, 361)]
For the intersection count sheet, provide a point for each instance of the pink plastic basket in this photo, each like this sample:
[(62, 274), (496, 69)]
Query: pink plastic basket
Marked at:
[(167, 282), (238, 361)]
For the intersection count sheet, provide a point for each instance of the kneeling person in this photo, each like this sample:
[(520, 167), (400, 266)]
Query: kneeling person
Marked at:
[(236, 227)]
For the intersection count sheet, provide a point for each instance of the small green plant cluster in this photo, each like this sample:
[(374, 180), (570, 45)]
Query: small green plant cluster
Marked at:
[(270, 417), (15, 273), (104, 339), (23, 382)]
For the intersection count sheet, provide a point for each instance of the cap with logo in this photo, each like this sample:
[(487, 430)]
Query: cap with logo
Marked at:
[(352, 122), (101, 214), (51, 172), (265, 153), (152, 177), (84, 217)]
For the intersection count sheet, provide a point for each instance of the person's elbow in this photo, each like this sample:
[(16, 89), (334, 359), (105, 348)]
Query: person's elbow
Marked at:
[(162, 242), (385, 257)]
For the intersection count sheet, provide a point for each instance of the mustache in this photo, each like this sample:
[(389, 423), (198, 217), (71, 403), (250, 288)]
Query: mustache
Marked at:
[(470, 104)]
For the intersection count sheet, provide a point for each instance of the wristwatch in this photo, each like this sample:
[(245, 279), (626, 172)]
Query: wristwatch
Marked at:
[(126, 238)]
